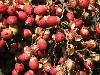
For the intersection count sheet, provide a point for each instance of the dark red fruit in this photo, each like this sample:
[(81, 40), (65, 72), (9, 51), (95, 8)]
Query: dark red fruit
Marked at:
[(40, 10), (19, 67), (53, 20), (26, 33), (30, 72), (22, 15), (33, 63), (42, 45), (42, 22), (11, 20), (38, 53), (53, 71), (15, 47), (59, 37), (11, 10), (2, 43), (3, 7), (28, 9), (83, 3), (6, 33), (46, 35), (78, 23)]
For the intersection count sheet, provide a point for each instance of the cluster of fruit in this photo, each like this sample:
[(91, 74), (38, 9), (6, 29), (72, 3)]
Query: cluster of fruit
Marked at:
[(56, 38)]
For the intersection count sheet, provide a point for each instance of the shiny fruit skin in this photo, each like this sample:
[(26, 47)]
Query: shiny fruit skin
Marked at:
[(11, 10), (11, 20), (40, 10), (28, 9), (22, 15), (83, 3), (33, 63), (23, 57), (2, 43), (3, 8), (26, 33), (30, 72), (19, 67), (53, 20), (6, 33), (42, 45), (14, 72), (70, 16), (59, 37)]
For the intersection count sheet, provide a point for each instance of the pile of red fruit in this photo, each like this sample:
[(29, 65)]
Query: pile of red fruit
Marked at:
[(58, 37)]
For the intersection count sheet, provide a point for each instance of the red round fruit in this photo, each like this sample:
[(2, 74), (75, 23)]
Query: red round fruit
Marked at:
[(59, 37), (2, 43), (40, 10), (26, 33), (23, 57), (29, 21), (19, 67), (97, 27), (14, 72), (83, 3), (59, 11), (30, 72), (42, 22), (70, 16), (3, 7), (33, 63), (11, 20), (11, 10), (22, 15), (53, 20), (6, 33), (28, 9), (78, 22), (46, 36), (42, 44), (53, 71), (84, 31)]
